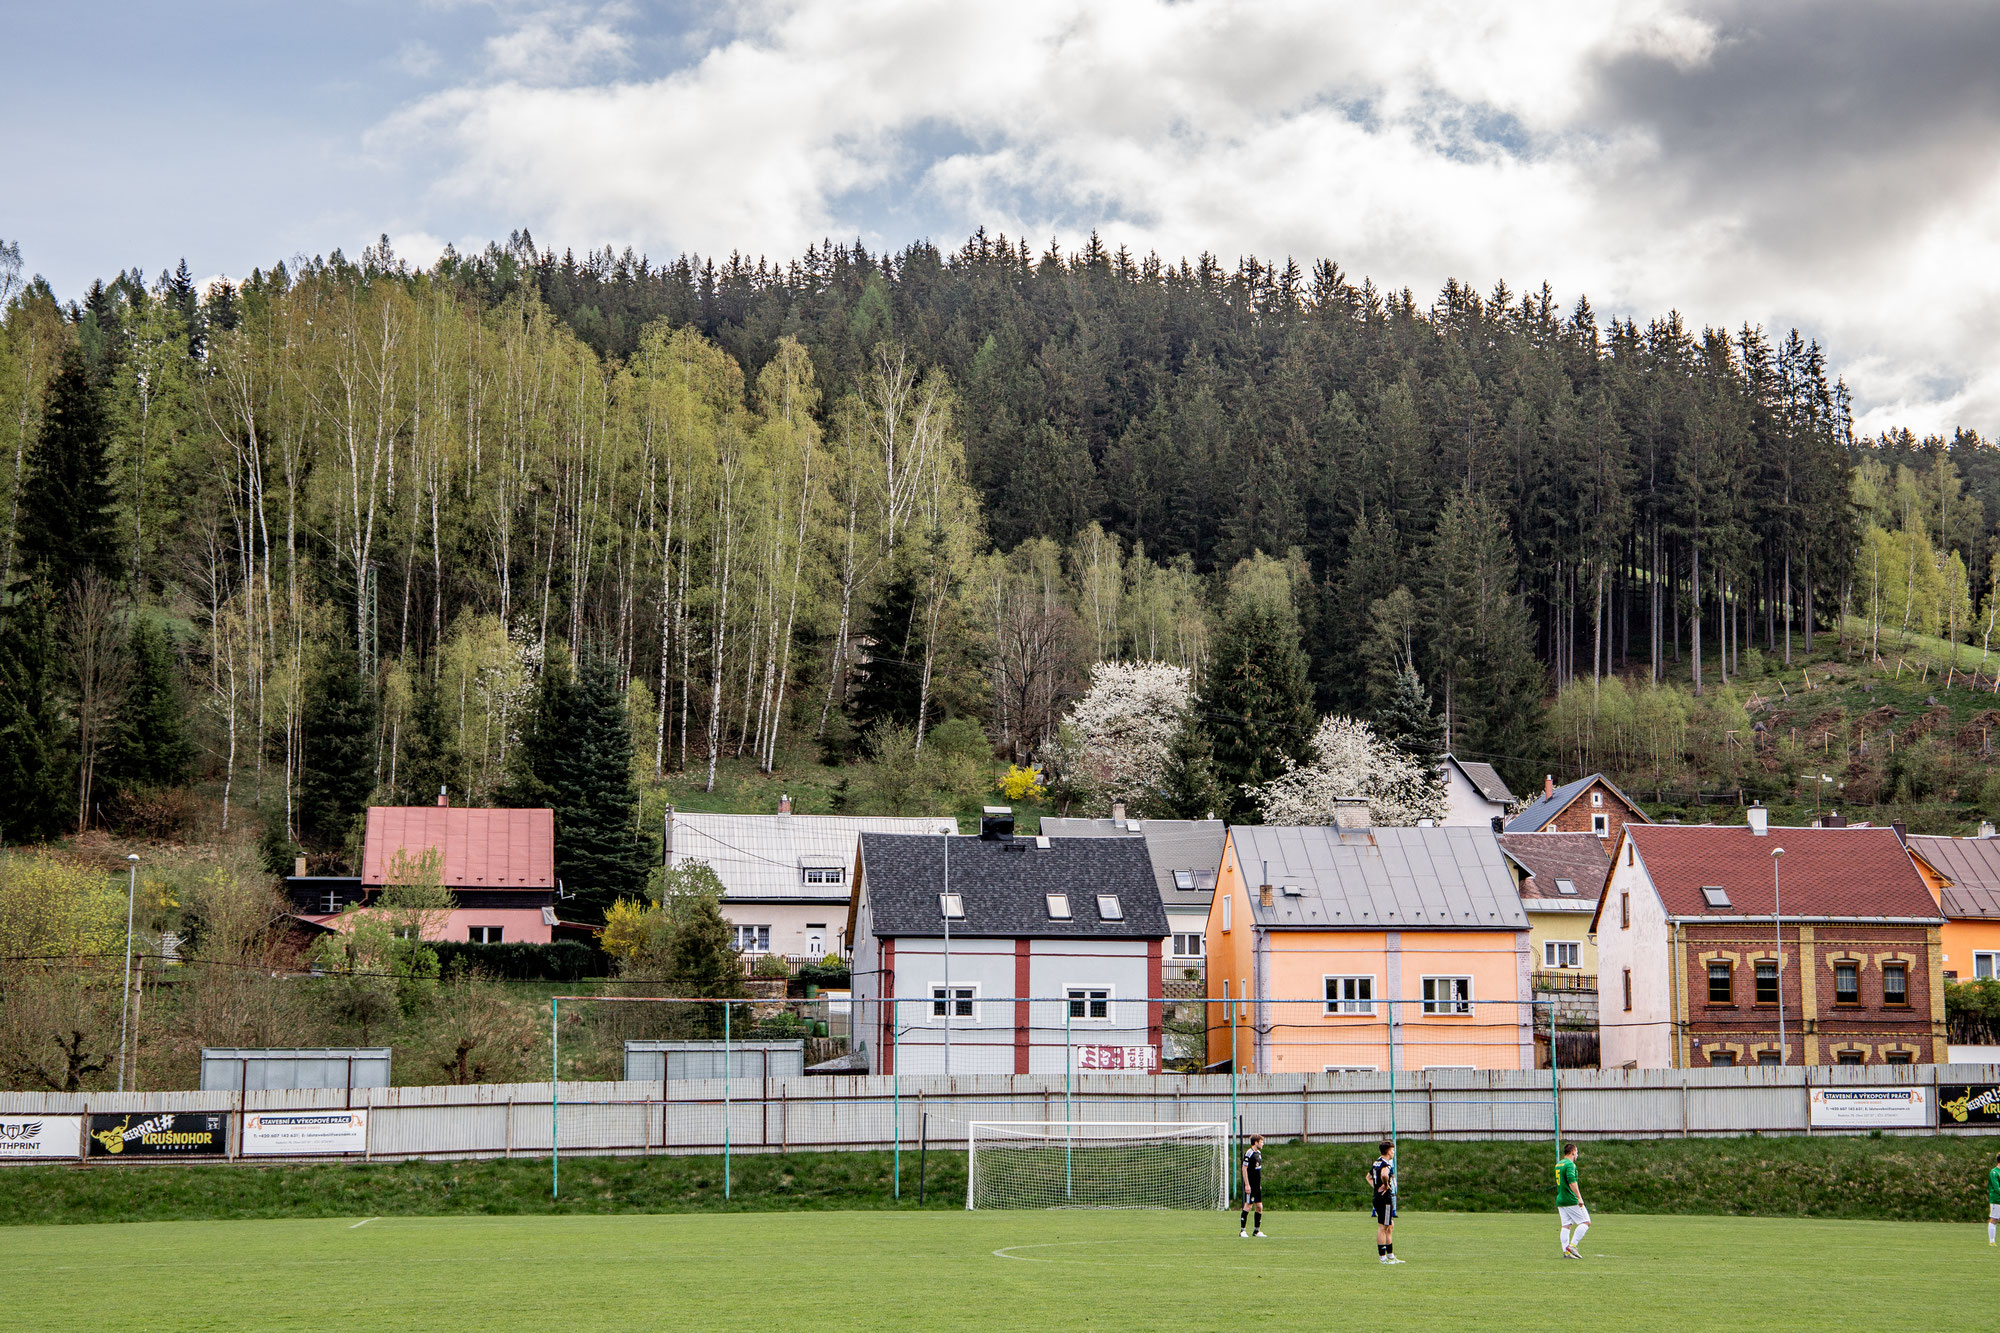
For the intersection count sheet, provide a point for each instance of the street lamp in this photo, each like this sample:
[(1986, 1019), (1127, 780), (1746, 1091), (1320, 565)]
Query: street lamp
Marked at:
[(1778, 934), (125, 1005)]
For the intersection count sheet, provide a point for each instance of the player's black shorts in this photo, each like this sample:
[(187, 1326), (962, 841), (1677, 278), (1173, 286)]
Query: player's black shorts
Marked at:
[(1254, 1193), (1385, 1209)]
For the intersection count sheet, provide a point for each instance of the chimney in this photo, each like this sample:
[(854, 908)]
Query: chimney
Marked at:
[(1760, 819), (1833, 819), (785, 804), (299, 866), (1902, 831), (1118, 813), (996, 823), (1499, 823), (1548, 786), (1985, 828), (444, 802), (1264, 895), (1350, 817)]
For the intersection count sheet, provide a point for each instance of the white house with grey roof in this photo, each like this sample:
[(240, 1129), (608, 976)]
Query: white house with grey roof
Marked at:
[(786, 878), (1474, 793), (1186, 853), (1000, 954)]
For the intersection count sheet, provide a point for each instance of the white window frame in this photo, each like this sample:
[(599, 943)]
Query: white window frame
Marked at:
[(1553, 950), (330, 903), (823, 874), (486, 935), (1352, 1069), (1467, 1068), (948, 901), (1117, 910), (1342, 1007), (1597, 798), (1226, 903), (1566, 886), (1088, 992), (1184, 880), (1200, 943), (1455, 1006), (1991, 961), (1600, 824), (1062, 913), (759, 939), (963, 994)]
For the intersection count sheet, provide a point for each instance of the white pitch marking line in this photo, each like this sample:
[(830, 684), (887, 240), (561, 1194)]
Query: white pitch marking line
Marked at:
[(364, 1222)]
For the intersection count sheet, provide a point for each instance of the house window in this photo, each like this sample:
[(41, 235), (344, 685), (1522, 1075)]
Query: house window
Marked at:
[(1447, 995), (1562, 953), (484, 934), (1629, 849), (1225, 913), (1846, 983), (1720, 987), (952, 906), (1715, 895), (1722, 1059), (1628, 990), (1566, 886), (1847, 1057), (1597, 798), (1600, 824), (1895, 983), (1624, 911), (1770, 1058), (1895, 1057), (1184, 879), (825, 875), (753, 939), (1350, 995), (1985, 965), (1059, 906), (1187, 944), (1109, 907), (1767, 981), (954, 1001), (1091, 1004), (330, 901)]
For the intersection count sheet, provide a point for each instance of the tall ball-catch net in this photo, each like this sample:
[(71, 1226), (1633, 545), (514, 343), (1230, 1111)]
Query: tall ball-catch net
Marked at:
[(1096, 1164)]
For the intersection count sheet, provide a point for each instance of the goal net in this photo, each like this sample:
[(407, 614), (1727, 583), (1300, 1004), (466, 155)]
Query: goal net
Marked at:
[(1096, 1164)]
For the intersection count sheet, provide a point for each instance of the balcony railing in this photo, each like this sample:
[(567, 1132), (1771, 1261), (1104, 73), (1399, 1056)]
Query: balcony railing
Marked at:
[(1565, 979)]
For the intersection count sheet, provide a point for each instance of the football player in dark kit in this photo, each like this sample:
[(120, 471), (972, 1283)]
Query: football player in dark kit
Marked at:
[(1253, 1187), (1382, 1182)]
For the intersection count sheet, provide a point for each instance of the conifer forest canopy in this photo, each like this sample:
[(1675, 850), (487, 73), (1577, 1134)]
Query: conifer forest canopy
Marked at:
[(761, 503)]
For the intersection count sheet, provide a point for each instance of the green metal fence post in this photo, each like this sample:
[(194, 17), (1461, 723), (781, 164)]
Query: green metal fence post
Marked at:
[(1555, 1081), (896, 1098), (1394, 1029), (1069, 1105), (1229, 1015), (555, 1099), (727, 1060)]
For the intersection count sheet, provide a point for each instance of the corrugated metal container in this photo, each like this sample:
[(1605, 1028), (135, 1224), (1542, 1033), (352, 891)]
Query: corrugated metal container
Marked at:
[(650, 1061), (254, 1070)]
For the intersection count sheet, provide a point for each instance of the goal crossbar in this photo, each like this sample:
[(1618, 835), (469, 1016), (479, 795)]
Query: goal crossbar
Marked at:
[(1096, 1164)]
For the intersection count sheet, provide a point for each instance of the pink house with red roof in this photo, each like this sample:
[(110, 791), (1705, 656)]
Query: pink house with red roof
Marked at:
[(499, 865), (1713, 941)]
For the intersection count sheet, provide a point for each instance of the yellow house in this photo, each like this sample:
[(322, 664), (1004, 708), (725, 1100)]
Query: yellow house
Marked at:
[(1560, 876), (1963, 875), (1345, 947)]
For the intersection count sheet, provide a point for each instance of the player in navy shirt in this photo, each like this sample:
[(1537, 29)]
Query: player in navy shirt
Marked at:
[(1253, 1187)]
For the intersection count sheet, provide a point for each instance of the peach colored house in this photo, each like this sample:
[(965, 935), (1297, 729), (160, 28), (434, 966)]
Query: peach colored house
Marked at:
[(1332, 941), (1963, 875)]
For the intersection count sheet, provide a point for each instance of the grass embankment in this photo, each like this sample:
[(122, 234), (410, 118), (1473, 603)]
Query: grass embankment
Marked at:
[(1938, 1180)]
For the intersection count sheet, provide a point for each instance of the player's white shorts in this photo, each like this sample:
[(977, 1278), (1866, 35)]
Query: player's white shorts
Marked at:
[(1993, 1212), (1575, 1215)]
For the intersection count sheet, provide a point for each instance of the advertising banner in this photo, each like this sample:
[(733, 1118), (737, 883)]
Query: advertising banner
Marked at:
[(1132, 1059), (300, 1133), (1905, 1107), (161, 1134), (40, 1138), (1968, 1104)]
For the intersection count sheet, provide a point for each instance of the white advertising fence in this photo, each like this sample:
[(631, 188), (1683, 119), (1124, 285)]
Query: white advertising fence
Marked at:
[(40, 1138)]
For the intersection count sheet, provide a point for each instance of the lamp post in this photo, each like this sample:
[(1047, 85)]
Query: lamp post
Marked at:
[(125, 1005), (950, 998), (1778, 935)]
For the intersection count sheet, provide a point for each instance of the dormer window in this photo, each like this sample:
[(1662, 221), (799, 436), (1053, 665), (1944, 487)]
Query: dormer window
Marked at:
[(1109, 908), (952, 906), (825, 875), (1566, 886), (1059, 906), (1184, 879), (1714, 895)]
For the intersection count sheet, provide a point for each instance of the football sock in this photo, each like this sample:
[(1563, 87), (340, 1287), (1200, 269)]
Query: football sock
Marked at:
[(1243, 1221), (1989, 1232), (1380, 1249), (1580, 1229), (1564, 1233)]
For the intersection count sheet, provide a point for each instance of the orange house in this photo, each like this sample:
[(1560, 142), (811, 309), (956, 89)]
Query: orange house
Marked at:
[(1344, 947), (1963, 875)]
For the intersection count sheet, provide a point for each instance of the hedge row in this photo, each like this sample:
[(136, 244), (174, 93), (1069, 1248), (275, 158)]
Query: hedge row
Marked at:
[(564, 960)]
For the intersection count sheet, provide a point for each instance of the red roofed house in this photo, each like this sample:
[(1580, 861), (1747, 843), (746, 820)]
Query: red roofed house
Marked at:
[(1697, 970), (500, 866)]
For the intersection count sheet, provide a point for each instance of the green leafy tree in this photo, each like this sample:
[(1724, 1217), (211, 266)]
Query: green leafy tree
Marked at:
[(338, 770), (67, 521)]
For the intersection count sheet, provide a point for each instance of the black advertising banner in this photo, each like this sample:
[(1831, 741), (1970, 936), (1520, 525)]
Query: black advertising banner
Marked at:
[(1969, 1104), (161, 1134)]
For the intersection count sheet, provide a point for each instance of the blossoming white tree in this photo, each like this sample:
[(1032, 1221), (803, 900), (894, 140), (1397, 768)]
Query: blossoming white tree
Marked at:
[(1114, 741), (1349, 759)]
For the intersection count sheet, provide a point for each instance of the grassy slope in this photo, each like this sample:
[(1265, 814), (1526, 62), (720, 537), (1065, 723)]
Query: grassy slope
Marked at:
[(997, 1272), (1911, 1179)]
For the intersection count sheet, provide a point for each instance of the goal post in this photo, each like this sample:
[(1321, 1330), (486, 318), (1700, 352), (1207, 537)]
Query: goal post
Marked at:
[(1096, 1164)]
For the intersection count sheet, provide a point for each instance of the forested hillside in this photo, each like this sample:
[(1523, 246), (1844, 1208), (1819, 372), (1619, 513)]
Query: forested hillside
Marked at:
[(349, 530)]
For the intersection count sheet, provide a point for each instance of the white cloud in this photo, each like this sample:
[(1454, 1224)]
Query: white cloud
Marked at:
[(1433, 141)]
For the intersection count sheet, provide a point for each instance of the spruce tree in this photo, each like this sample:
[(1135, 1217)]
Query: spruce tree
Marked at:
[(1188, 788), (430, 759), (1406, 721), (891, 685), (337, 772), (1257, 702), (1479, 640), (533, 757), (66, 503), (150, 747), (600, 855), (36, 757)]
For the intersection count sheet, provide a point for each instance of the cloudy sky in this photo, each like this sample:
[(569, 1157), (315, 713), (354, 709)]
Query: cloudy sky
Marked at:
[(1834, 166)]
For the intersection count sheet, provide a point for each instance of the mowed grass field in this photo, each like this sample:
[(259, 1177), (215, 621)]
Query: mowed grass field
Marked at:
[(1046, 1272)]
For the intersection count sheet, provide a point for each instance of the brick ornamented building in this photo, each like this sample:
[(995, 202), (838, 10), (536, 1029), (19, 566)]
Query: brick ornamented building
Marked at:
[(1588, 805), (1697, 970)]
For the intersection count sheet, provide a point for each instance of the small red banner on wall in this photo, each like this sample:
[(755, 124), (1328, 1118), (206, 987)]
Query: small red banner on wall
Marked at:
[(1136, 1059)]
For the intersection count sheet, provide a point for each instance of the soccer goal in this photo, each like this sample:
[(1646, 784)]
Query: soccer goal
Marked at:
[(1096, 1164)]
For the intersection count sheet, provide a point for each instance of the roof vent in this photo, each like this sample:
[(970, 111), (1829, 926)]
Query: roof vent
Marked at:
[(1294, 891), (1118, 814), (1986, 828), (996, 823), (1715, 895)]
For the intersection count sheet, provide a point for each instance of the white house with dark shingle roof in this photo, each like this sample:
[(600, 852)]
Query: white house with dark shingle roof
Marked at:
[(1185, 855), (1474, 793), (1018, 955)]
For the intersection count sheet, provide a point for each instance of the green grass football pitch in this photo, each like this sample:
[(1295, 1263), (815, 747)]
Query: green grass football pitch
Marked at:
[(1047, 1272)]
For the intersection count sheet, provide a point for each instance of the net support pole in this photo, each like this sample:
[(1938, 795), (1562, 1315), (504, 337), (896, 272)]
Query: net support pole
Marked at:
[(895, 1102), (1229, 1017), (1394, 1030), (1555, 1081), (727, 1059), (1069, 1104), (555, 1099)]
